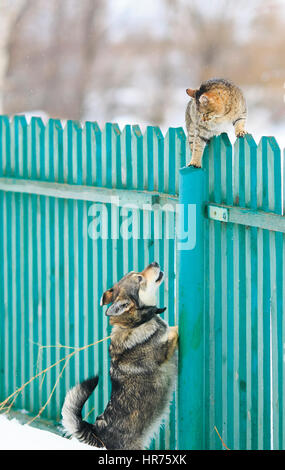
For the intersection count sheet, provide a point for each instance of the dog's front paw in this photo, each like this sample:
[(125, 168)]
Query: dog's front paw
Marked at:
[(173, 334), (195, 165), (174, 329)]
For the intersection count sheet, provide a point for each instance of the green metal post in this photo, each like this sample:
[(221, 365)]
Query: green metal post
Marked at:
[(191, 309)]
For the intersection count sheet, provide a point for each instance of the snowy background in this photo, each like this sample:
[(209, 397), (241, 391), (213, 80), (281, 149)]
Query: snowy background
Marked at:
[(17, 436), (130, 62)]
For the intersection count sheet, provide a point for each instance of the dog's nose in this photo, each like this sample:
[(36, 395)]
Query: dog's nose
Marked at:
[(154, 264)]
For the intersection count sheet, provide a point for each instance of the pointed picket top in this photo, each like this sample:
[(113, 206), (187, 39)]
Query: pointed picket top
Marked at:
[(111, 156), (175, 157), (76, 124), (170, 158), (185, 152), (214, 169), (92, 152), (19, 119), (158, 159), (249, 139), (126, 157), (18, 145), (182, 154), (92, 125), (226, 169), (245, 172), (56, 123), (54, 150), (269, 176), (5, 145), (137, 130), (148, 182), (153, 154), (107, 155), (272, 142), (5, 118), (137, 157), (239, 172), (73, 151), (19, 127), (116, 156), (250, 171), (217, 162), (37, 148), (158, 132), (37, 121), (116, 129), (54, 127)]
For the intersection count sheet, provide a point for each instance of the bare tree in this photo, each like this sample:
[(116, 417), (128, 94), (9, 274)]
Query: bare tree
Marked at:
[(50, 68)]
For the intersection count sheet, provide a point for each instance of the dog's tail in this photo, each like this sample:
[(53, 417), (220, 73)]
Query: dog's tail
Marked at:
[(71, 413)]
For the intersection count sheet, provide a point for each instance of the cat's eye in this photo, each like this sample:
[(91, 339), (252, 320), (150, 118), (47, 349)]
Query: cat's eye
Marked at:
[(140, 278)]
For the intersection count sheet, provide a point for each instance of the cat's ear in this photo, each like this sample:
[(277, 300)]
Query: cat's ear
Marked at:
[(204, 99), (191, 92)]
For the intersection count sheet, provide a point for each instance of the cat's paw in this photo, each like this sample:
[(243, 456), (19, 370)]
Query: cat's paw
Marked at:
[(241, 133), (205, 118), (195, 165)]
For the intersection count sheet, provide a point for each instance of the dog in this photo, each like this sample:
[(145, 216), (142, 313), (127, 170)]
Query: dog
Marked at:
[(143, 368)]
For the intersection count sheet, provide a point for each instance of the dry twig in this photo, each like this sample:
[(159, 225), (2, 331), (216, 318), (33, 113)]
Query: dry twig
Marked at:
[(225, 446), (14, 395)]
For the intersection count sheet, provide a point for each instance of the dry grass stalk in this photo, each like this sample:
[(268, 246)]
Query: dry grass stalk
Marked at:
[(225, 446), (14, 395)]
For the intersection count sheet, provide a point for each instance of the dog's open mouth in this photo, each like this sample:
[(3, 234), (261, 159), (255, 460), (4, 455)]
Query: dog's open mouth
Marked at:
[(160, 276)]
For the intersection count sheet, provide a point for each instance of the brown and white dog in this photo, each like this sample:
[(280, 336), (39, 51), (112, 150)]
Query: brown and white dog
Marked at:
[(143, 368)]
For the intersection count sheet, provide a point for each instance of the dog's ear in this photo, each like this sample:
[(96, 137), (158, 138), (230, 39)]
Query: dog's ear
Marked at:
[(118, 307), (107, 297)]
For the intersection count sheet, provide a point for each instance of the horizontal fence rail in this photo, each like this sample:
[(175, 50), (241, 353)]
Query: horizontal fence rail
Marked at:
[(139, 199), (248, 217)]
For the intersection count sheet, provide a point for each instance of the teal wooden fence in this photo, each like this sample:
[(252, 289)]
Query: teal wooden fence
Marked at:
[(61, 246), (232, 308), (80, 206)]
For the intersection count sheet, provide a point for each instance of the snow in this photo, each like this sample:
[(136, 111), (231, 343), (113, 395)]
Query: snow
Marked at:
[(17, 436)]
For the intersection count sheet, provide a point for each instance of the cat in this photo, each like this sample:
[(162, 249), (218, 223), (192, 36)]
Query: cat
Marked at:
[(213, 106)]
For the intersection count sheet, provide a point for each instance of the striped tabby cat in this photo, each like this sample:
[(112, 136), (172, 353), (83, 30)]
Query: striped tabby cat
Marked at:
[(213, 106)]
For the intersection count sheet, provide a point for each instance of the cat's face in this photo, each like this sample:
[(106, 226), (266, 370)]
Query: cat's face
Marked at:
[(210, 103)]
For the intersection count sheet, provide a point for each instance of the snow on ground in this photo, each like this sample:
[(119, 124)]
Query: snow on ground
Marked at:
[(17, 436)]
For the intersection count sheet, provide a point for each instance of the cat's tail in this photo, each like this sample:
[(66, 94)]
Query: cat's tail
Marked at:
[(71, 413)]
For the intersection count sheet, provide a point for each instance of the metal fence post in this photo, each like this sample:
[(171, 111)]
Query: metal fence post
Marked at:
[(191, 308)]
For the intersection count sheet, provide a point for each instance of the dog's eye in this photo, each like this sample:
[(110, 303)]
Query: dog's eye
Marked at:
[(140, 278)]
